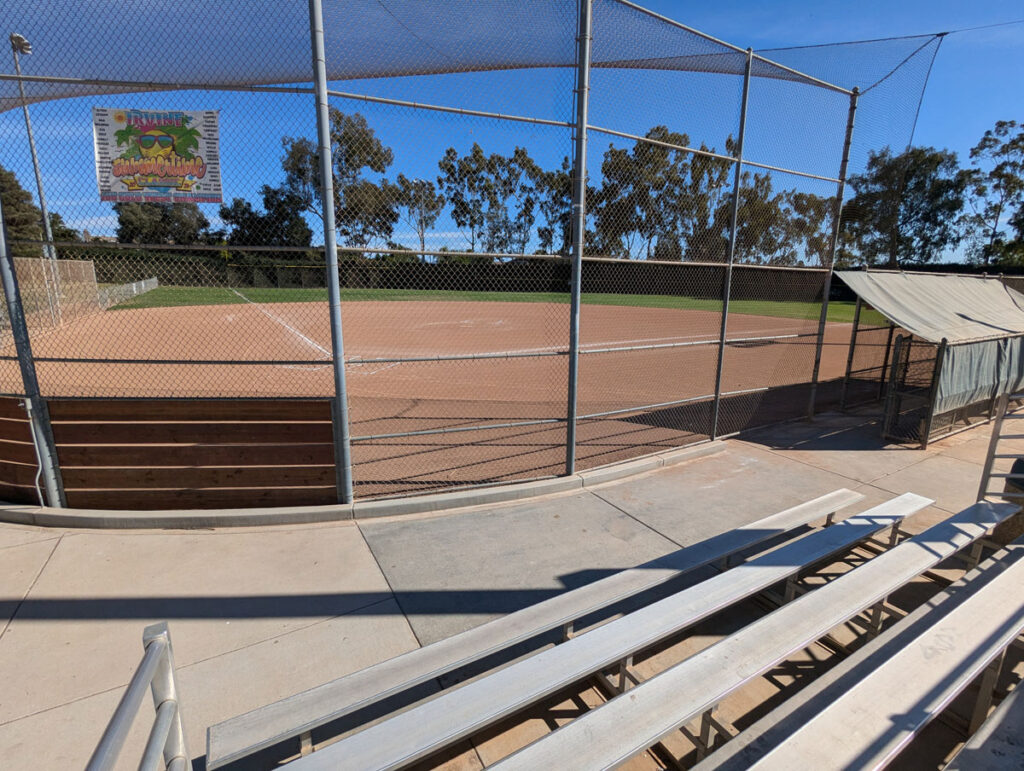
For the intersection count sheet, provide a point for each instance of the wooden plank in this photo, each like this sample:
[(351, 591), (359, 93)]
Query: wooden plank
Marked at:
[(17, 452), (11, 408), (454, 715), (23, 474), (158, 455), (239, 737), (132, 410), (623, 728), (193, 477), (18, 494), (15, 430), (190, 433), (997, 745), (858, 731), (214, 498)]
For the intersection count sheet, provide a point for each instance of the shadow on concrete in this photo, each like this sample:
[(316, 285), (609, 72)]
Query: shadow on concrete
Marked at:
[(330, 604)]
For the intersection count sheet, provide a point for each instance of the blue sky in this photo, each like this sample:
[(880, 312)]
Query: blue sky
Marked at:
[(975, 81), (976, 78)]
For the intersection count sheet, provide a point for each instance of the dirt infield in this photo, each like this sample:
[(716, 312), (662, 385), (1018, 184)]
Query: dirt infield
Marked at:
[(285, 348)]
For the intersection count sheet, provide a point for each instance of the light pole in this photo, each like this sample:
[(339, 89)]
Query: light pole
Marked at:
[(20, 45)]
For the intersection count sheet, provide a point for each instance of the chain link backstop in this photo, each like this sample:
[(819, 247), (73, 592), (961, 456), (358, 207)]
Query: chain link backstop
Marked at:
[(566, 234)]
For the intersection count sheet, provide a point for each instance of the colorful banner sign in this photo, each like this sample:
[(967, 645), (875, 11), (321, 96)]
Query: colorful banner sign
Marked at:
[(157, 156)]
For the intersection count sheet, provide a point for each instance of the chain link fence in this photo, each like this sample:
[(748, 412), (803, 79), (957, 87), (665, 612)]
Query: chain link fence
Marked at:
[(713, 178)]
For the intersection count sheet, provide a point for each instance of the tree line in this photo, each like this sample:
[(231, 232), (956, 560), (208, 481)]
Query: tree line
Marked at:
[(653, 201)]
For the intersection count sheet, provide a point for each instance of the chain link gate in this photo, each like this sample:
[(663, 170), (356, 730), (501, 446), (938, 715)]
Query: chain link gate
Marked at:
[(913, 377)]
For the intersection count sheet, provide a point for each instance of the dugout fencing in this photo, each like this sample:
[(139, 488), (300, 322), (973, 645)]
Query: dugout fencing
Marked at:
[(952, 349), (556, 235)]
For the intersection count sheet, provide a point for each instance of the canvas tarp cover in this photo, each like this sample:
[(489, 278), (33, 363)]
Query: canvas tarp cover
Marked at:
[(981, 319)]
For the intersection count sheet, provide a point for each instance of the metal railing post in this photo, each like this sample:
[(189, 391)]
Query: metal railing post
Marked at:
[(733, 225), (39, 415), (849, 355), (165, 689), (841, 190), (579, 223), (339, 404)]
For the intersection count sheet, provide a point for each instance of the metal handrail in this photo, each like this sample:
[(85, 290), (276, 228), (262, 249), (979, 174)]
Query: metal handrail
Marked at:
[(166, 740)]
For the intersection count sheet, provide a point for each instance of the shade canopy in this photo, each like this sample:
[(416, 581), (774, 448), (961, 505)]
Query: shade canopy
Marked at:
[(955, 308)]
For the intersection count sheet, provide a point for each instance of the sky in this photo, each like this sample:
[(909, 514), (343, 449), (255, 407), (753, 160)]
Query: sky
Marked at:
[(975, 81)]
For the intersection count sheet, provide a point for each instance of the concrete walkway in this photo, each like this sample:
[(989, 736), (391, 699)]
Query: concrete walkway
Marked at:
[(259, 614)]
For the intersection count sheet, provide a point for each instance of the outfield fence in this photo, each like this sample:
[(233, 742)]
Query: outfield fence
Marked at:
[(574, 233)]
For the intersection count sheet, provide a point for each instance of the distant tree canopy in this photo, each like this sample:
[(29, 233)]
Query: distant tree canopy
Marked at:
[(24, 221), (21, 217), (161, 223), (651, 200), (996, 184), (279, 224), (905, 207)]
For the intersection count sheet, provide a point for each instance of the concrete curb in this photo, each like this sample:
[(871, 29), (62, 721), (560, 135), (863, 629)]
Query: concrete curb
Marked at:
[(192, 519)]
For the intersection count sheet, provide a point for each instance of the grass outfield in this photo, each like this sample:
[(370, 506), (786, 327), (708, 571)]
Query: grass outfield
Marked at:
[(170, 296)]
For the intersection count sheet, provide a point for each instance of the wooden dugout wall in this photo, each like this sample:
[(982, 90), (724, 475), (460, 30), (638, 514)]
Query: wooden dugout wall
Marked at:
[(163, 454), (18, 464)]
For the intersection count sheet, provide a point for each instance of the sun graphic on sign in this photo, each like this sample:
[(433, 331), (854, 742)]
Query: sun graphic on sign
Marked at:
[(120, 117)]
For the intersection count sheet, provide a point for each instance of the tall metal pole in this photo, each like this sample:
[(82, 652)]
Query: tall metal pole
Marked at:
[(39, 415), (840, 191), (579, 222), (733, 225), (20, 45), (339, 405)]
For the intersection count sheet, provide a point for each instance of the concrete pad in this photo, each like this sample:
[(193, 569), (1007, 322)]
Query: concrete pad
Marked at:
[(464, 498), (695, 501), (19, 566), (219, 592), (951, 482), (844, 445), (214, 689), (456, 572), (226, 686), (13, 535), (66, 736)]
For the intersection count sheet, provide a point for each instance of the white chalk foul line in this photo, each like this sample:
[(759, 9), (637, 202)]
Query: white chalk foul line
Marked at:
[(285, 324)]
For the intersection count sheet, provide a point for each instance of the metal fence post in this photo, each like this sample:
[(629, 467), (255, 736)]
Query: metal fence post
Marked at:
[(933, 392), (841, 190), (39, 415), (20, 45), (339, 405), (849, 355), (733, 225), (885, 360), (165, 688), (579, 223)]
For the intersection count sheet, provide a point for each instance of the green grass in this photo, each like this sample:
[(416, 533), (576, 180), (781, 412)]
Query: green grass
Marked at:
[(171, 296)]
